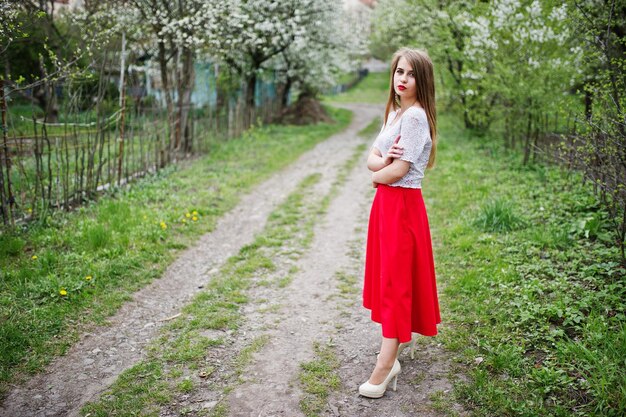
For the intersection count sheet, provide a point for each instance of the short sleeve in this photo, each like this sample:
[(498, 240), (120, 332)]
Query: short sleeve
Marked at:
[(414, 135), (376, 143)]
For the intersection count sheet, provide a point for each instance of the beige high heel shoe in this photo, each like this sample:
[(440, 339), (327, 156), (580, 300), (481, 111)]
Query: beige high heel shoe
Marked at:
[(377, 391), (404, 345)]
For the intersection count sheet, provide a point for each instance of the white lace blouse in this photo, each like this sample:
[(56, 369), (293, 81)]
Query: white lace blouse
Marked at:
[(415, 138)]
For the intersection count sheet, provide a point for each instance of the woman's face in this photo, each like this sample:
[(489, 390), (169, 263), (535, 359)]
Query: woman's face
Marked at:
[(404, 80)]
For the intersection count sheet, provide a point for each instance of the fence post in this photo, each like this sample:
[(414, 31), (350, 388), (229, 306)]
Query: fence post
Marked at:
[(7, 198), (122, 121)]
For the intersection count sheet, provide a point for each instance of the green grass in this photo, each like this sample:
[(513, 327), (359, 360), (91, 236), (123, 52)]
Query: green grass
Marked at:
[(498, 216), (372, 89), (347, 284), (531, 283), (180, 352), (317, 378), (182, 349), (73, 270), (371, 130)]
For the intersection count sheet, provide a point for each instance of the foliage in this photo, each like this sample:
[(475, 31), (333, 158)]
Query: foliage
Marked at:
[(307, 42), (11, 26), (536, 313), (497, 216), (538, 72), (597, 146)]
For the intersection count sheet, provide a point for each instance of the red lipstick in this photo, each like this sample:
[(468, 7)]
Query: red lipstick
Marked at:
[(401, 88)]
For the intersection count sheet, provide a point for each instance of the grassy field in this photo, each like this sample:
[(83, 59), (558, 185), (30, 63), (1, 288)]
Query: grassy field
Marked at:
[(75, 269), (534, 297), (371, 89)]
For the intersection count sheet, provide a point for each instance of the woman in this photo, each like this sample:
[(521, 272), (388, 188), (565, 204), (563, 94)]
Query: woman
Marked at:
[(400, 288)]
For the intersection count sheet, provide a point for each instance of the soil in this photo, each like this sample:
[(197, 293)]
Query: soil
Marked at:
[(310, 309), (307, 110)]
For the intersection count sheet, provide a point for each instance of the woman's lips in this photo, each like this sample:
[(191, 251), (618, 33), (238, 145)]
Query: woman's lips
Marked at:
[(401, 88)]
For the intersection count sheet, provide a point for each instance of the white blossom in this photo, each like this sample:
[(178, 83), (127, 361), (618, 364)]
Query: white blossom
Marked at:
[(8, 22)]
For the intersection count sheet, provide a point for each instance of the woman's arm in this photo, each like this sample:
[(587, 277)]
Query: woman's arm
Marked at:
[(375, 160), (392, 172)]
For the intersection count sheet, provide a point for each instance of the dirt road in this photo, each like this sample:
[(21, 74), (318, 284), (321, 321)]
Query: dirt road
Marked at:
[(312, 308)]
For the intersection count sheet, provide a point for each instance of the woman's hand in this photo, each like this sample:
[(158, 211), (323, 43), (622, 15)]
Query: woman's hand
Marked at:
[(395, 152)]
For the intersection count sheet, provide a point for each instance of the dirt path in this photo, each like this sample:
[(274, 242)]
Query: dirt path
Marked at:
[(94, 362), (313, 309), (308, 313), (310, 309)]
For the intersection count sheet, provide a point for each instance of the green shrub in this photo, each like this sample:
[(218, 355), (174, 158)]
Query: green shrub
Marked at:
[(498, 216)]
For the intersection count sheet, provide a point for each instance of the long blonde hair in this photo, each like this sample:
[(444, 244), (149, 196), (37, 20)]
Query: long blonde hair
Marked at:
[(425, 86)]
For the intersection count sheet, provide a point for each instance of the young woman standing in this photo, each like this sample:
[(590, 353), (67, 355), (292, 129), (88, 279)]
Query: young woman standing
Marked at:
[(400, 288)]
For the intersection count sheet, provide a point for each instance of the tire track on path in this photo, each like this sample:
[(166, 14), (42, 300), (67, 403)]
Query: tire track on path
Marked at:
[(95, 361)]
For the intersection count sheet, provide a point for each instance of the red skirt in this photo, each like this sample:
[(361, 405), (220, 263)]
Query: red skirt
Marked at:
[(400, 287)]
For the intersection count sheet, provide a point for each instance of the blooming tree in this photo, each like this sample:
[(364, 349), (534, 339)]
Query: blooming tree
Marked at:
[(526, 66), (315, 58), (250, 35), (173, 34), (504, 52), (9, 24)]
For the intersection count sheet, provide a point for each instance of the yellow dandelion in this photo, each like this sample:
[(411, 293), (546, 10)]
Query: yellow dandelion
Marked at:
[(29, 210), (195, 213), (63, 291), (184, 220), (194, 218), (187, 215), (163, 225), (34, 257), (88, 278)]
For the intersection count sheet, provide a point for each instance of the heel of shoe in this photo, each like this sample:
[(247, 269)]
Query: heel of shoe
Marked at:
[(395, 382), (411, 345), (412, 348)]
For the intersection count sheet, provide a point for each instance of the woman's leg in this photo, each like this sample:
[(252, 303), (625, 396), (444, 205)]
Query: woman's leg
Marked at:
[(386, 358)]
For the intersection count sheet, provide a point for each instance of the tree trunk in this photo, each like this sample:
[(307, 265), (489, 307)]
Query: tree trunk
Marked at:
[(528, 135), (46, 96), (588, 105), (5, 162), (168, 100), (184, 98), (285, 94), (249, 111)]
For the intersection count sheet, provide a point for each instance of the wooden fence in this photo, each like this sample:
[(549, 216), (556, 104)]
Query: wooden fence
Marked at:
[(47, 166)]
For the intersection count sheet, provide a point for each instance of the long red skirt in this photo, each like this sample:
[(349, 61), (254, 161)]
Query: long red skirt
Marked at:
[(400, 287)]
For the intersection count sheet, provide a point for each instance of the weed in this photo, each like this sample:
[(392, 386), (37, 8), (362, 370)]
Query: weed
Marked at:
[(318, 377), (498, 216)]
